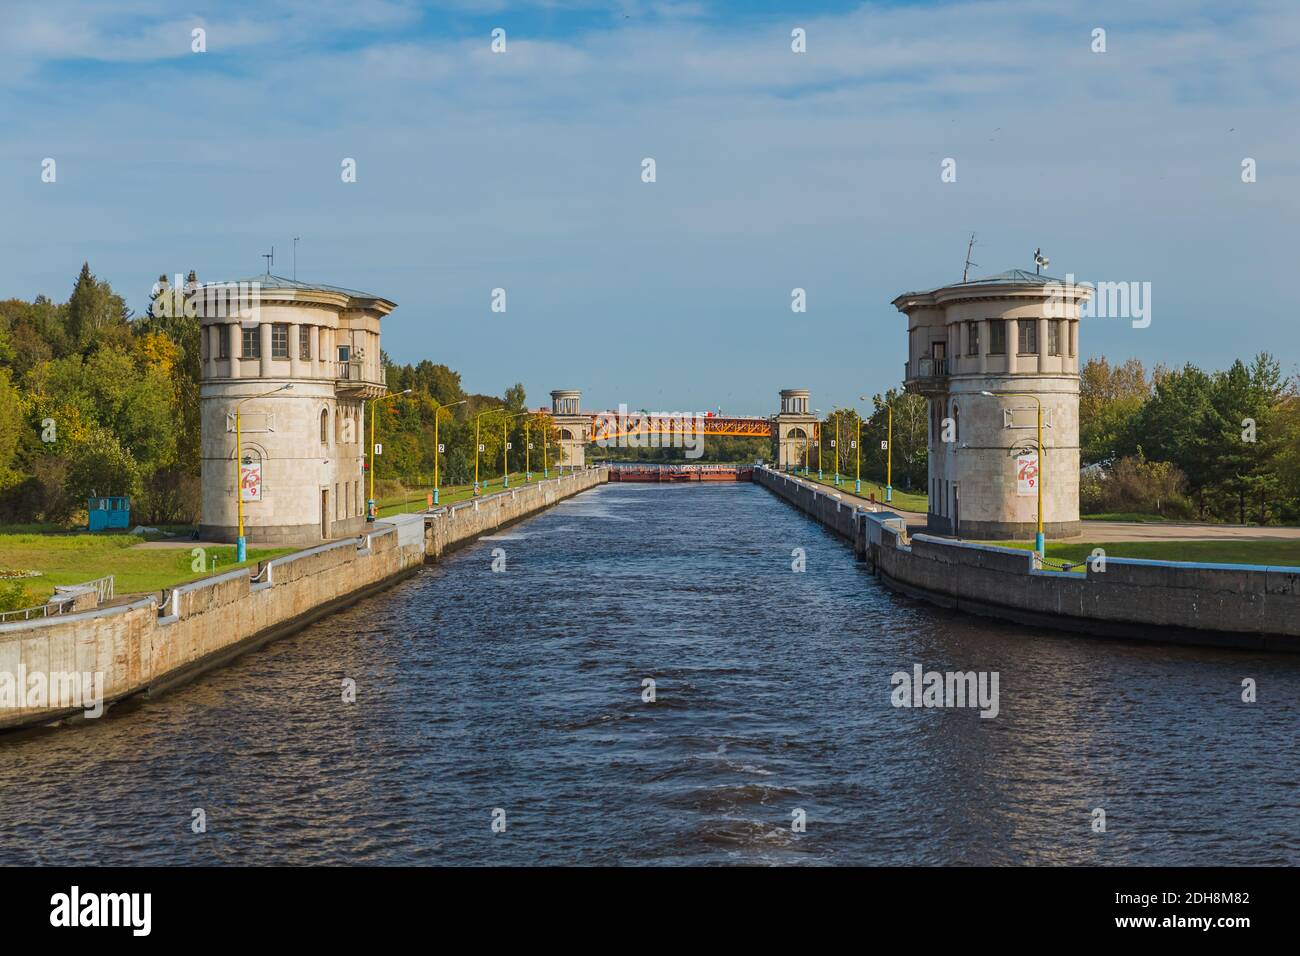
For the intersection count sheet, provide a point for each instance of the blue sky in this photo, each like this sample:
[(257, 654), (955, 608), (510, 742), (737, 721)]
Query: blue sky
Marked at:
[(775, 170)]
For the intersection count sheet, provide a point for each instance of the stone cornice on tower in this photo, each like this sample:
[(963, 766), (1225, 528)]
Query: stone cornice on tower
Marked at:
[(1012, 284)]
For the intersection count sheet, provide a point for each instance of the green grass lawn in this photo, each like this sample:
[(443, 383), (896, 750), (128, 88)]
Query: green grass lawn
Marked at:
[(1279, 552), (416, 498), (904, 500), (38, 527), (75, 558)]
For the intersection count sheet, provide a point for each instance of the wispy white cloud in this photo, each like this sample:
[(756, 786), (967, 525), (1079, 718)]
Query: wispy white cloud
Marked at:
[(775, 169)]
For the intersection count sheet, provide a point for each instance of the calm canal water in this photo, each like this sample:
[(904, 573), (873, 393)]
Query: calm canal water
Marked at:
[(522, 690)]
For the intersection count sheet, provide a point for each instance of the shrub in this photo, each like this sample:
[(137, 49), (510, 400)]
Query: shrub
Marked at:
[(15, 595), (1134, 484), (168, 496)]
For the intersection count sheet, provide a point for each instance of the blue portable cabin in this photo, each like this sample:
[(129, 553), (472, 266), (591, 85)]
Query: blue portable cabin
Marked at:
[(109, 511)]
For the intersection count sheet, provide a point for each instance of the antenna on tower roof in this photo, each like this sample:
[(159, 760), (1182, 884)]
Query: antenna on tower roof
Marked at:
[(1040, 261), (965, 273), (270, 259)]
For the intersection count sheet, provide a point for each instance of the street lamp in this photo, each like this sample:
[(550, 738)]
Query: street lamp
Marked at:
[(478, 445), (889, 453), (857, 444), (437, 448), (528, 451), (546, 461), (818, 443), (1040, 542), (528, 442), (505, 449), (241, 545), (836, 444), (370, 504)]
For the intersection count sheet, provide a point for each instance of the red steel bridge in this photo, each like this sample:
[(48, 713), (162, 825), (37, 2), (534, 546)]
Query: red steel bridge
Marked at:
[(606, 426)]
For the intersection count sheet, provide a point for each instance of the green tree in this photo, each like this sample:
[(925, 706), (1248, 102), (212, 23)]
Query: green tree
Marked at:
[(1109, 398), (11, 427), (101, 466), (93, 309)]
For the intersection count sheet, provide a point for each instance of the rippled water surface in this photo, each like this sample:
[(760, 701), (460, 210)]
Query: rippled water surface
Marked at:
[(522, 690)]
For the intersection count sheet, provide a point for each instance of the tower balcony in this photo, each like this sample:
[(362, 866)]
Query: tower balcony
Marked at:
[(926, 375), (353, 379)]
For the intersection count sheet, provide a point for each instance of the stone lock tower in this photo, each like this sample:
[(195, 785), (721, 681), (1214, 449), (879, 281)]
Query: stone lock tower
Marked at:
[(573, 426), (794, 429), (299, 360), (970, 344)]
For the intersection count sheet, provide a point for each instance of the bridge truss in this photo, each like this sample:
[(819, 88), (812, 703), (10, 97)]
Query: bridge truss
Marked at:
[(607, 426)]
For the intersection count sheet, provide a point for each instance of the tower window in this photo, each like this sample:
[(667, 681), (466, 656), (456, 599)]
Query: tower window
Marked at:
[(997, 336), (324, 427), (972, 338), (252, 343), (1053, 338), (304, 343), (1028, 329), (280, 341), (223, 341)]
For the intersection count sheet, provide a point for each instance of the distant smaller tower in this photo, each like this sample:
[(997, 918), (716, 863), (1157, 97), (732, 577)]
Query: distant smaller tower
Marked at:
[(795, 430), (574, 427)]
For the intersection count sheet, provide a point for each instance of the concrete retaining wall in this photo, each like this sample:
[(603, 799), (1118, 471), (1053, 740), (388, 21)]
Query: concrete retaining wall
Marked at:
[(1165, 601), (456, 524), (812, 498), (143, 646)]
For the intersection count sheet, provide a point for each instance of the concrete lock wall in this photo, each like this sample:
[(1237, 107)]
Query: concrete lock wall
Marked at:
[(1165, 601), (822, 504), (145, 646)]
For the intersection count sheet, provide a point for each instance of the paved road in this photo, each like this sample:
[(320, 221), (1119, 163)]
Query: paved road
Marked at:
[(1119, 530)]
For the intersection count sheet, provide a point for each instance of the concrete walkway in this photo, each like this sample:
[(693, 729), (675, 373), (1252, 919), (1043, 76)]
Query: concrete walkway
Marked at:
[(1177, 531), (1105, 530)]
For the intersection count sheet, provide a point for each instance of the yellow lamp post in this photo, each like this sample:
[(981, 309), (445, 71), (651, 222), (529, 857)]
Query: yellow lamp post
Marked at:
[(505, 447), (836, 443), (818, 443), (437, 448), (1040, 542), (857, 481), (889, 453), (478, 445), (857, 447), (241, 545), (370, 504), (546, 460)]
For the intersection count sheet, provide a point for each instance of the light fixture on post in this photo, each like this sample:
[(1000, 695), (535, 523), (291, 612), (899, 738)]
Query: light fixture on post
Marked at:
[(437, 447), (371, 513), (818, 442), (889, 454)]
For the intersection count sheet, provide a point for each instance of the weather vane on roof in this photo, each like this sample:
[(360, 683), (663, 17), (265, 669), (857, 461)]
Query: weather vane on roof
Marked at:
[(969, 246), (1040, 261), (270, 259)]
